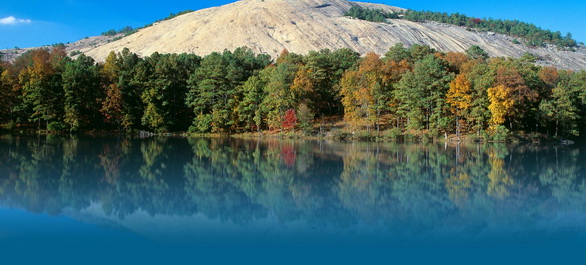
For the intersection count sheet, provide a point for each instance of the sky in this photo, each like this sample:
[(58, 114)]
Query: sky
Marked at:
[(31, 23)]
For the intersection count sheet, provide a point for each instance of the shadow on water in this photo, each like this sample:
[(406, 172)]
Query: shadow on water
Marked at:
[(225, 201)]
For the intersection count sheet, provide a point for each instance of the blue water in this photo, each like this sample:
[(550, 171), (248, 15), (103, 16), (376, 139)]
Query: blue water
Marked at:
[(224, 201)]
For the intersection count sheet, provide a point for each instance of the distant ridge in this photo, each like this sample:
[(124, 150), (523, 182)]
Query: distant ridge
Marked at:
[(269, 26)]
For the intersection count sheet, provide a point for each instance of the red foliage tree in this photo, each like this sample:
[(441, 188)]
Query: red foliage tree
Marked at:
[(476, 21), (289, 120)]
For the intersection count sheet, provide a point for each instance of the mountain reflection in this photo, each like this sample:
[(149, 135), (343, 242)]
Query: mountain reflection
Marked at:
[(415, 188)]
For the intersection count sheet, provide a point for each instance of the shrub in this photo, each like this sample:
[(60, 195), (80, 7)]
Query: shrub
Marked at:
[(393, 134), (499, 133), (305, 118), (201, 124), (55, 126), (338, 134)]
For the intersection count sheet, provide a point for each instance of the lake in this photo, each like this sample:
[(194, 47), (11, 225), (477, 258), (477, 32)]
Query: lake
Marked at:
[(110, 200)]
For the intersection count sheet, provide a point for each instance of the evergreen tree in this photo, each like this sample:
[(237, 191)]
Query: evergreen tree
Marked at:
[(249, 108), (165, 91), (561, 109), (81, 85), (213, 88), (130, 76), (421, 94), (481, 79), (279, 96)]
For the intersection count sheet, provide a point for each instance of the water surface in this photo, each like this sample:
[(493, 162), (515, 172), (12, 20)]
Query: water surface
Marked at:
[(225, 201)]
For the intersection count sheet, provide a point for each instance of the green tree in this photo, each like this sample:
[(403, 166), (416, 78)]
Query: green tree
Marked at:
[(562, 108), (317, 81), (8, 95), (398, 53), (214, 87), (249, 108), (81, 85), (421, 94), (279, 96), (165, 91), (476, 53), (305, 118), (481, 78), (131, 71)]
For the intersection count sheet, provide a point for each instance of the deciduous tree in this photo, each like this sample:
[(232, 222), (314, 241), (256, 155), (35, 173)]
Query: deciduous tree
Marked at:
[(459, 97)]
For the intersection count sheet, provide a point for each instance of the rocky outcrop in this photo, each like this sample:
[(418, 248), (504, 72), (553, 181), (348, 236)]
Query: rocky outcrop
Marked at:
[(269, 26)]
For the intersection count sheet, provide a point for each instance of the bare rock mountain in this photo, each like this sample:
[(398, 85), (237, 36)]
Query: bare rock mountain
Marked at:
[(269, 26)]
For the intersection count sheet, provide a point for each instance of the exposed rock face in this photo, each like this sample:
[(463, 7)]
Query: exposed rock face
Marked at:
[(83, 44), (269, 26)]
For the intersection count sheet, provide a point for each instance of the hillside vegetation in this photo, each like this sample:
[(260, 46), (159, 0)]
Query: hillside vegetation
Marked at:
[(530, 33)]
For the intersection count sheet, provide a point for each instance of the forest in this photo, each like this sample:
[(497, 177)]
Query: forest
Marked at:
[(408, 93), (532, 35)]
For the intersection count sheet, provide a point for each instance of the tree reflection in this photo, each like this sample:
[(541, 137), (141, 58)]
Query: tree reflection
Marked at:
[(500, 180), (404, 186)]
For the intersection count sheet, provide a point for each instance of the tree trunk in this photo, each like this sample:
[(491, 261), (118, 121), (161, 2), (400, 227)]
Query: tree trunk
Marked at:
[(458, 127)]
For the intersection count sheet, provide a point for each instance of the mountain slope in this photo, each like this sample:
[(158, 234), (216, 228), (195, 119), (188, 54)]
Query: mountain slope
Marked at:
[(269, 26)]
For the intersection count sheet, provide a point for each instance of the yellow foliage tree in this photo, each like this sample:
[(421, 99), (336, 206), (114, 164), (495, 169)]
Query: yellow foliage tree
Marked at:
[(501, 105), (351, 98), (459, 97), (303, 85)]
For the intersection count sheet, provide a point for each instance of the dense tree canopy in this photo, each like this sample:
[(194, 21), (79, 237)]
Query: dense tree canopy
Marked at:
[(411, 91)]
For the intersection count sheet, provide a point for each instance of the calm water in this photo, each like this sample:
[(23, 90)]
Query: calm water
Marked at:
[(221, 201)]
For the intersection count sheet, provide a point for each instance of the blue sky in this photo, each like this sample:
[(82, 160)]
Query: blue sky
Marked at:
[(31, 23)]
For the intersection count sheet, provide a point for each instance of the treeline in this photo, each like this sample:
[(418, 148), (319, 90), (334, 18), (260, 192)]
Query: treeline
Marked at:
[(128, 30), (413, 91), (374, 15), (125, 30), (534, 36)]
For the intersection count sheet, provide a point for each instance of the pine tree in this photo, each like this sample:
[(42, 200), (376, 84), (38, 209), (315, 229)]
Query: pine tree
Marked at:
[(421, 94), (249, 109), (81, 85)]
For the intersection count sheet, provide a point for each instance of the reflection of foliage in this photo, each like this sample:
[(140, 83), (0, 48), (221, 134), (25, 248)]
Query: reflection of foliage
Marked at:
[(499, 179), (564, 179), (458, 186), (413, 186), (289, 155), (364, 187)]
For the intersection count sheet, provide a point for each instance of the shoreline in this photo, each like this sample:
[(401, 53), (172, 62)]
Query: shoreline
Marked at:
[(334, 135)]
